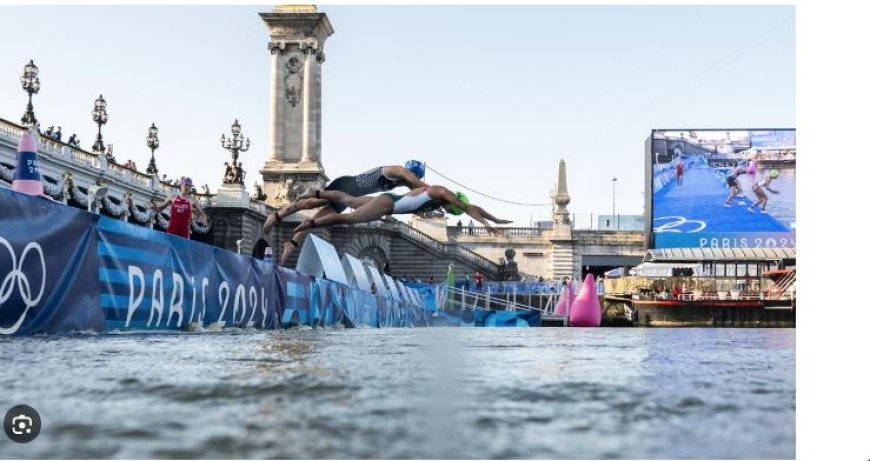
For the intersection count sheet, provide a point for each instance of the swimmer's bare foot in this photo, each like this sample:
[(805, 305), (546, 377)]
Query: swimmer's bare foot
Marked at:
[(307, 224), (310, 193), (273, 219)]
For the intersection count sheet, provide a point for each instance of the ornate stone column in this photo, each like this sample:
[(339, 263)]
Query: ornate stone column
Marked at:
[(562, 254), (296, 38)]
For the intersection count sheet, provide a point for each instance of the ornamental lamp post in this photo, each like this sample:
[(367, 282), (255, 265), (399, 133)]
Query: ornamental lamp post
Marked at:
[(238, 143), (614, 204), (153, 143), (101, 117), (30, 84)]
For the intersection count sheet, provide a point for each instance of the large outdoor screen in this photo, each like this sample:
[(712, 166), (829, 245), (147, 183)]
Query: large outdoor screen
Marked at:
[(722, 188)]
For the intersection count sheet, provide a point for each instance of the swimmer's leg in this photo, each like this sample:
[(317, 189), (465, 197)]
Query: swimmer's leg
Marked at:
[(293, 207), (298, 238), (374, 208)]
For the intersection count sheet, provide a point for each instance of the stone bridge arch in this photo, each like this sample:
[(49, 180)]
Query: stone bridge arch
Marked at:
[(371, 247)]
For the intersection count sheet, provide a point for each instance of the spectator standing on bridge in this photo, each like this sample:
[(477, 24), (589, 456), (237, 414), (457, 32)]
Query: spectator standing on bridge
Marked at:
[(459, 225), (478, 280), (57, 134), (183, 206), (467, 284)]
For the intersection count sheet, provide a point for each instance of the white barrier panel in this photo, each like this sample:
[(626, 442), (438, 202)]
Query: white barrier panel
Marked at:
[(400, 288), (319, 259), (406, 295), (417, 300), (356, 273), (391, 286), (379, 282)]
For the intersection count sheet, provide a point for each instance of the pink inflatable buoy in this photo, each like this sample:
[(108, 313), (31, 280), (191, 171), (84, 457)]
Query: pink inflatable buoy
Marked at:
[(561, 306), (565, 299), (586, 310)]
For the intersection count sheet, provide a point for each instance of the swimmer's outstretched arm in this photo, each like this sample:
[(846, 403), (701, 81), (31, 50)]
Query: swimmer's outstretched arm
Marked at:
[(488, 216), (446, 196), (405, 175)]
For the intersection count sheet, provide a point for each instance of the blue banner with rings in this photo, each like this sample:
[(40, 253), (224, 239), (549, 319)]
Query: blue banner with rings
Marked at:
[(47, 282), (65, 270)]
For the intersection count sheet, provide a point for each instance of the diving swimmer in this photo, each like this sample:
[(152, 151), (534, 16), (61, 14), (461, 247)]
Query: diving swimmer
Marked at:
[(421, 199), (379, 179)]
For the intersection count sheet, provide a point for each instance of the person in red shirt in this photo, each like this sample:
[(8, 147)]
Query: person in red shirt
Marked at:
[(680, 173), (478, 280), (183, 206)]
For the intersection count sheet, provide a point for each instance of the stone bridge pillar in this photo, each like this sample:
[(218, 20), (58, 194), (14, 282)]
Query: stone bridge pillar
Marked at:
[(561, 238), (296, 38)]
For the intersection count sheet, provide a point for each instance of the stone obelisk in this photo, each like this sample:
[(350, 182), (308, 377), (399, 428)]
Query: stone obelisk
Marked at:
[(296, 38), (561, 239)]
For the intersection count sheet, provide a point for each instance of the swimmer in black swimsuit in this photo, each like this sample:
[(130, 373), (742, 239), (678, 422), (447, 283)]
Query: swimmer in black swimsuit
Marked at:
[(422, 199), (378, 179), (733, 184)]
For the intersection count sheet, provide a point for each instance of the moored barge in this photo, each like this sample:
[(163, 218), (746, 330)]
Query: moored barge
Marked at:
[(724, 287)]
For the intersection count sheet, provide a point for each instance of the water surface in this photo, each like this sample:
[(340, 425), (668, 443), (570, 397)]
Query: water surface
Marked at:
[(407, 393)]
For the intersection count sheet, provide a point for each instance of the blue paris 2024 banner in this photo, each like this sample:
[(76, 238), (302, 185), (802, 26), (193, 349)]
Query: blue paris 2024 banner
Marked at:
[(151, 280), (64, 270)]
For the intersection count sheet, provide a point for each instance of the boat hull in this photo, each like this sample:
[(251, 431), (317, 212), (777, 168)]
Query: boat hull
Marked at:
[(706, 313)]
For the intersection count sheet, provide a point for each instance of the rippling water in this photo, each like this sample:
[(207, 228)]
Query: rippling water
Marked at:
[(408, 393)]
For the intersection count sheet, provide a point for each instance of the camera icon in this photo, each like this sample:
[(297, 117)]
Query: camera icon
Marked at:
[(22, 424)]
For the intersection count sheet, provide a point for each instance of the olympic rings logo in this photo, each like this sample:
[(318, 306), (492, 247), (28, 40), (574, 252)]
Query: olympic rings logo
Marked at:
[(678, 224), (16, 277)]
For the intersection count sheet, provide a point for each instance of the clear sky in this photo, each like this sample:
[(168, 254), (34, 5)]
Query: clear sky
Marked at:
[(492, 96)]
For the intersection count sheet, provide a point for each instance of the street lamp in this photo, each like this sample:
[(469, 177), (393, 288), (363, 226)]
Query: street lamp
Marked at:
[(101, 117), (153, 143), (614, 203), (30, 84), (238, 143)]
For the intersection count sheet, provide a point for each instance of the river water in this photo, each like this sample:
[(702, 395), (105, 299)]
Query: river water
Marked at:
[(407, 393)]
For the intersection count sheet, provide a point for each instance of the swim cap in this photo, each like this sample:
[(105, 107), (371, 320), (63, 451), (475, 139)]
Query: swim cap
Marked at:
[(456, 210), (416, 167), (186, 180), (774, 174)]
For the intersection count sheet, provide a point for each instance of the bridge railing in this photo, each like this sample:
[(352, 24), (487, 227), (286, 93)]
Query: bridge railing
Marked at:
[(506, 231), (502, 288)]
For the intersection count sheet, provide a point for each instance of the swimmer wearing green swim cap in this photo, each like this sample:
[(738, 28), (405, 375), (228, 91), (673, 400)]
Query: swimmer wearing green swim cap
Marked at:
[(759, 187)]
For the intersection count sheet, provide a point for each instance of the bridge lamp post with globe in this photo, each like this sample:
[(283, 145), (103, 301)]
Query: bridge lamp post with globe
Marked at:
[(153, 143), (101, 117), (30, 84)]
